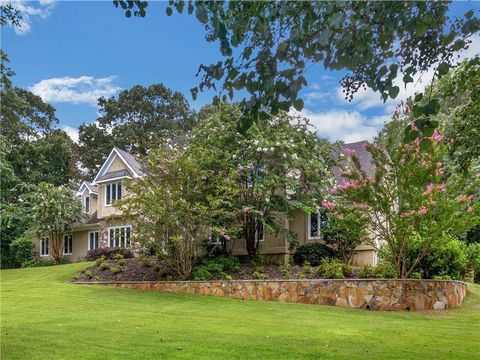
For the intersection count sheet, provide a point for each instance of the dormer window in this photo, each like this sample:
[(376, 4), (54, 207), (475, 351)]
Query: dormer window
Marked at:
[(113, 192), (86, 204)]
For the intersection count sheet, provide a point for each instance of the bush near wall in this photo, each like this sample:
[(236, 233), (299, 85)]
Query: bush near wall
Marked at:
[(312, 253), (23, 250)]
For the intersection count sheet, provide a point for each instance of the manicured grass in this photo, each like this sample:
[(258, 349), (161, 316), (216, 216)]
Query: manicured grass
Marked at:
[(44, 317)]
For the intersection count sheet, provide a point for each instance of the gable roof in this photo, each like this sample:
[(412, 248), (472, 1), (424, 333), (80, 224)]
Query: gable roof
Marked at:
[(133, 166), (92, 189)]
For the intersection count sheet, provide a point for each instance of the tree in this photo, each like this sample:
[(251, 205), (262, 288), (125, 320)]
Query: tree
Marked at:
[(52, 211), (137, 120), (408, 200), (172, 206), (347, 228), (276, 167), (267, 46)]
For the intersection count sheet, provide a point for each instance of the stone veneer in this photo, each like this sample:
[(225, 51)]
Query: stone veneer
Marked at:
[(371, 294)]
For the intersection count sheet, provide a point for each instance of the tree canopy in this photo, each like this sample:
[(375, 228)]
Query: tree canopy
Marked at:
[(268, 46), (136, 120)]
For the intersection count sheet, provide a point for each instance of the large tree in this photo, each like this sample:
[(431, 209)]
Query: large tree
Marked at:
[(267, 46), (276, 167), (52, 211), (137, 120)]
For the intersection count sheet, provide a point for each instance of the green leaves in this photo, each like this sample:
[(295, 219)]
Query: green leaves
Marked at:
[(169, 11), (298, 104), (443, 69)]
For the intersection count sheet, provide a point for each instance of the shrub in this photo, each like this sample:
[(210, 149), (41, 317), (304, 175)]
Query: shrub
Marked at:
[(331, 269), (118, 256), (415, 275), (109, 253), (201, 273), (473, 257), (307, 268), (366, 272), (385, 270), (23, 250), (228, 277), (150, 248), (348, 270), (122, 262), (88, 274), (117, 270), (100, 260), (313, 253), (259, 275), (45, 262), (104, 266), (216, 267), (449, 260)]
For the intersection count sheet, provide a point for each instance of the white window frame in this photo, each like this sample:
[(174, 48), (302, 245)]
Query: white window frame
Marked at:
[(90, 233), (119, 241), (41, 246), (64, 243), (309, 224), (116, 183), (87, 211)]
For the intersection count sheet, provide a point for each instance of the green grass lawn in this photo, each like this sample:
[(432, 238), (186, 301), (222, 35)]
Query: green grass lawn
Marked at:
[(45, 317)]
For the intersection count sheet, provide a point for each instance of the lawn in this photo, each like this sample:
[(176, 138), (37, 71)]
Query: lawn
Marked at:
[(45, 317)]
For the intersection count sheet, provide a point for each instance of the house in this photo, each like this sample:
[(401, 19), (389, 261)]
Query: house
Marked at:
[(102, 227)]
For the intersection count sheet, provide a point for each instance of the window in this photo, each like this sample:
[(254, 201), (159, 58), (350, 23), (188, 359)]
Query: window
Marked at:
[(113, 192), (316, 221), (44, 246), (67, 244), (86, 205), (93, 237), (259, 233), (119, 236)]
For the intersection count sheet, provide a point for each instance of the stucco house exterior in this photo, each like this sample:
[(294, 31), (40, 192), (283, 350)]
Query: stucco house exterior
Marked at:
[(102, 226)]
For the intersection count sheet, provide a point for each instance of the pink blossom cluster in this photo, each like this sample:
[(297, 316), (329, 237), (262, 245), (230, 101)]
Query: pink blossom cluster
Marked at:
[(432, 187), (439, 170), (436, 136), (349, 152), (223, 235), (240, 167), (251, 166), (407, 213), (422, 210), (347, 184), (406, 110), (465, 198), (328, 204)]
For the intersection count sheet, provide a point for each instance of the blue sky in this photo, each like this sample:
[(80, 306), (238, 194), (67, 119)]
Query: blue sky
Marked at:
[(70, 52)]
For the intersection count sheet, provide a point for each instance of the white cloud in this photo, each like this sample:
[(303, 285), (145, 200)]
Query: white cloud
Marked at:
[(30, 11), (348, 126), (72, 132), (81, 90), (367, 99)]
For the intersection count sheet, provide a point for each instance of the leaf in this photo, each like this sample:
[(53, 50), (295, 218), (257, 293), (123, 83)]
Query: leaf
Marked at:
[(298, 104), (169, 11), (201, 13), (244, 124), (394, 90), (443, 69), (418, 97), (421, 28), (425, 145), (128, 13)]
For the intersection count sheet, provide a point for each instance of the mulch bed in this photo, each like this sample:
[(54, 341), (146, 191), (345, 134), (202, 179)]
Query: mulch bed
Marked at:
[(152, 269)]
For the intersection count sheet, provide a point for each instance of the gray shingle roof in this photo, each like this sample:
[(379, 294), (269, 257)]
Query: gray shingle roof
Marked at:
[(114, 174), (130, 159)]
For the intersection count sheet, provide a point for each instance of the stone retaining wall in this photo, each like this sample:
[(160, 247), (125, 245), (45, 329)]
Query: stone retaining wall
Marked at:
[(371, 294)]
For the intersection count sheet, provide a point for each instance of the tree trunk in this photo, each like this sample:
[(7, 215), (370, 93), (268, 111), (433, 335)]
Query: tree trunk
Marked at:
[(56, 246), (249, 232)]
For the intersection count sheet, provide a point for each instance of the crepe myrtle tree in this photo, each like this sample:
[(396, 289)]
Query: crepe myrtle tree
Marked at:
[(52, 211), (278, 166), (175, 206), (408, 199)]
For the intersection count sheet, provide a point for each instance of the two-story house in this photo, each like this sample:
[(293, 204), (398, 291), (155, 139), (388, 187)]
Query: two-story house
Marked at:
[(101, 228)]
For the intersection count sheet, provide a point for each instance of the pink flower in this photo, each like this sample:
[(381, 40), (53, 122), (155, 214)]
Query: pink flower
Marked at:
[(251, 166), (226, 237), (469, 209), (328, 204), (239, 167), (422, 210), (439, 164), (349, 152), (245, 210), (363, 206), (407, 110), (436, 136), (347, 184), (407, 214), (439, 171)]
